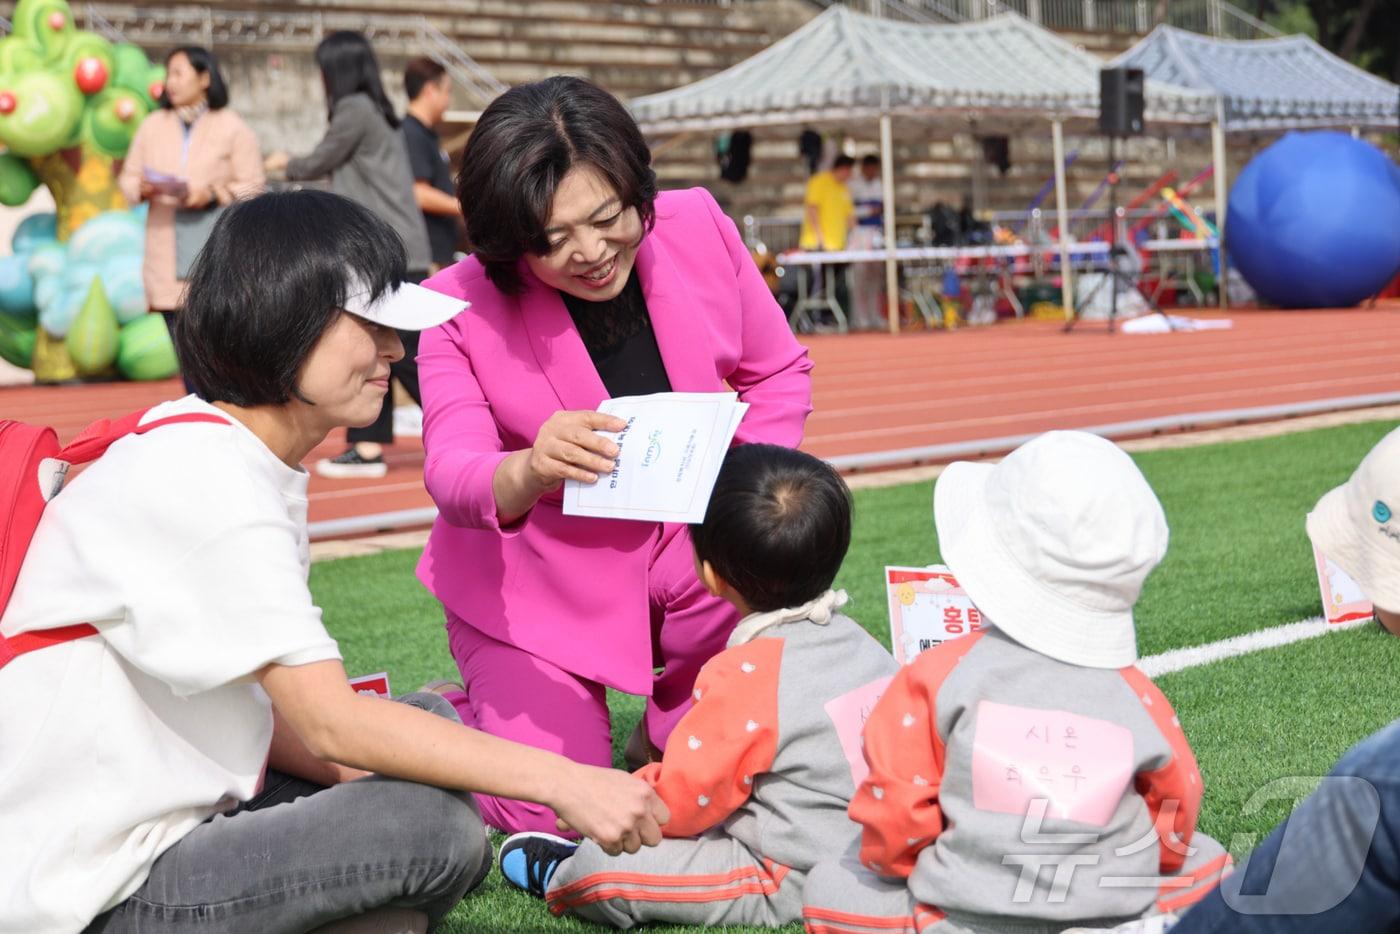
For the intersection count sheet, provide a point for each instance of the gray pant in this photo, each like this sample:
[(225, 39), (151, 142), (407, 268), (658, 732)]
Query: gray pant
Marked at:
[(299, 855), (842, 895), (708, 880)]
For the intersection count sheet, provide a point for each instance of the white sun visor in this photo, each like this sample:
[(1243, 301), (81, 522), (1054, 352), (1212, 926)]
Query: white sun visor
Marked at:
[(408, 308)]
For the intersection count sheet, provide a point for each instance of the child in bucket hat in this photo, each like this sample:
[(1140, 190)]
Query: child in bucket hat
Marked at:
[(1357, 526), (1028, 776)]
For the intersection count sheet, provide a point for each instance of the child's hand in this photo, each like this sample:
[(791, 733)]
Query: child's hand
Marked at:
[(617, 811)]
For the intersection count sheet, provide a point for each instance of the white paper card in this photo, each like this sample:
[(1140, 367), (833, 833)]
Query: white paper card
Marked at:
[(1342, 598), (671, 453), (165, 184), (927, 608)]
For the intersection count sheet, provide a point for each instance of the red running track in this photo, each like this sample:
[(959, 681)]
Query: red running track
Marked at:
[(876, 393)]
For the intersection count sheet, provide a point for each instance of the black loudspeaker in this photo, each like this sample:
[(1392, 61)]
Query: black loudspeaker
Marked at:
[(997, 151), (1121, 101)]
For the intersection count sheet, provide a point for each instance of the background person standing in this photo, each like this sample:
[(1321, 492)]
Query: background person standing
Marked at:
[(868, 196), (828, 214), (365, 157), (429, 90), (194, 136)]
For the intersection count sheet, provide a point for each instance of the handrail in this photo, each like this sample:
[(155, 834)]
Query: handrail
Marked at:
[(464, 69), (1258, 25), (211, 27), (931, 11), (917, 11), (1211, 17), (99, 23)]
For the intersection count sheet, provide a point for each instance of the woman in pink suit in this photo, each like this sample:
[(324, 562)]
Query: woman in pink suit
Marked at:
[(584, 284)]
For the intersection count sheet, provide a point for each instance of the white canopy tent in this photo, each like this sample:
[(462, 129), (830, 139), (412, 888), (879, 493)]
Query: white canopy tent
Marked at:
[(845, 67), (1269, 84)]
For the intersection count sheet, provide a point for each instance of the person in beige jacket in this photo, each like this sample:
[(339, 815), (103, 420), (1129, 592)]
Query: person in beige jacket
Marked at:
[(196, 138)]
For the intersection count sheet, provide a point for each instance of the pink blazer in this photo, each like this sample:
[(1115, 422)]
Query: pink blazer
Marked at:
[(567, 589)]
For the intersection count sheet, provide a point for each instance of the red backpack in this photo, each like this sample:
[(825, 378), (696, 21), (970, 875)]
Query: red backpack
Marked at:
[(33, 468)]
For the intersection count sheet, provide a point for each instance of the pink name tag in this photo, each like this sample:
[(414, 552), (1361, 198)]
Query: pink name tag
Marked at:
[(848, 714), (1078, 765)]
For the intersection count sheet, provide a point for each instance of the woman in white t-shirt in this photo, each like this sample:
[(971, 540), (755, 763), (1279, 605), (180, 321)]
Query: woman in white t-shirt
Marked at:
[(145, 782)]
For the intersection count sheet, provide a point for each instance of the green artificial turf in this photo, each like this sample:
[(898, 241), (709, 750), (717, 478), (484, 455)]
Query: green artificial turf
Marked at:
[(1239, 561)]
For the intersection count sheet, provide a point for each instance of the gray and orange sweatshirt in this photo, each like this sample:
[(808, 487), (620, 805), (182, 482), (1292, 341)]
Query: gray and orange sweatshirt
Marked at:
[(771, 748), (1005, 783)]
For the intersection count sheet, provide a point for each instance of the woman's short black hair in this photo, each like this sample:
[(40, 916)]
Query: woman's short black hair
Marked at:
[(777, 527), (203, 62), (348, 66), (522, 147), (273, 276)]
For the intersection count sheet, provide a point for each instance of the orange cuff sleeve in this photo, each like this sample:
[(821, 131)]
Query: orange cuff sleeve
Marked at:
[(727, 739), (1173, 792), (897, 805)]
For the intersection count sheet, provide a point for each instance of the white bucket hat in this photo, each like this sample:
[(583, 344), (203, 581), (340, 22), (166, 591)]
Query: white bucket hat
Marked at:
[(408, 308), (1053, 544), (1357, 524)]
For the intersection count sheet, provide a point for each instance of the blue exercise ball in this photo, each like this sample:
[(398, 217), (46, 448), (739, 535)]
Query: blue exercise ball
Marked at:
[(1314, 221)]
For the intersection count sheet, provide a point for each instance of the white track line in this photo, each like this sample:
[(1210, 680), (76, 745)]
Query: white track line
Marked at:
[(1194, 656)]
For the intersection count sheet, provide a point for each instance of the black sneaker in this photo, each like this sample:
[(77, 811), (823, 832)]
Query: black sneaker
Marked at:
[(528, 860), (351, 465)]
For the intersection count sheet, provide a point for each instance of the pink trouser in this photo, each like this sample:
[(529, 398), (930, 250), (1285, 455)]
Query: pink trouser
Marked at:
[(518, 696)]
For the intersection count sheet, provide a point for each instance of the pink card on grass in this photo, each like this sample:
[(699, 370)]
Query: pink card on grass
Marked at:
[(1342, 599), (848, 714), (1079, 766), (376, 684)]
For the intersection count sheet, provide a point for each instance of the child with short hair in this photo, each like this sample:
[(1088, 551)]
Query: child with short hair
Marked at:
[(758, 775), (1028, 777)]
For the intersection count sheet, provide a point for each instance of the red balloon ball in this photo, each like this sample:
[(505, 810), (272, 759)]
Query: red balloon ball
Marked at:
[(156, 89), (57, 21), (91, 75), (7, 102)]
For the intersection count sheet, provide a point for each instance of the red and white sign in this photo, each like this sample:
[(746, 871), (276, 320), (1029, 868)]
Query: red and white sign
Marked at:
[(1342, 599), (927, 607), (377, 684)]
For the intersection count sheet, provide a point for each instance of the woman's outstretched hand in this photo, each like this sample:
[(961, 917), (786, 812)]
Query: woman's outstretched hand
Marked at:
[(619, 812), (568, 447)]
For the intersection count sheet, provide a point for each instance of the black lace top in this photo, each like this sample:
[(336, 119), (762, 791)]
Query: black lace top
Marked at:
[(620, 341)]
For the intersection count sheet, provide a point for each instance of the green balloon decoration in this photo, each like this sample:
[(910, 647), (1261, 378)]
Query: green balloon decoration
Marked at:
[(17, 341), (70, 104), (146, 351), (17, 180), (92, 340)]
